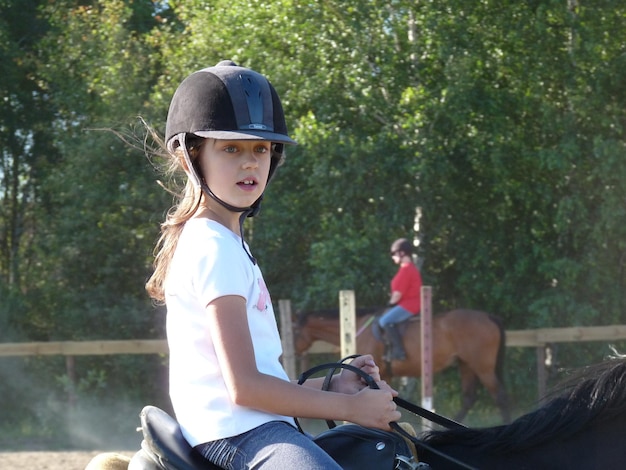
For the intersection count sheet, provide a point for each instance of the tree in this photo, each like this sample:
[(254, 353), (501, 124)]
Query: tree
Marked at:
[(25, 139), (98, 217), (403, 107)]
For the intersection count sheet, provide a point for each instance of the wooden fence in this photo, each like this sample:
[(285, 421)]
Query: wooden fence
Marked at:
[(514, 338), (537, 338)]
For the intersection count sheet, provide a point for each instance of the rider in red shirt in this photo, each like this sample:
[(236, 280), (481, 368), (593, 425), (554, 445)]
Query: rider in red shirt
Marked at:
[(405, 300)]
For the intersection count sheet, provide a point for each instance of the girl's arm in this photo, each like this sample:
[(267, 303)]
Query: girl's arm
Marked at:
[(395, 297), (248, 387)]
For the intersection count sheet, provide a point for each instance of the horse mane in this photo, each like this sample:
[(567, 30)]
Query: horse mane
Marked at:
[(593, 394)]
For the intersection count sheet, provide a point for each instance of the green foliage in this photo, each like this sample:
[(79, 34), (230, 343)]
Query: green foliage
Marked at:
[(98, 218)]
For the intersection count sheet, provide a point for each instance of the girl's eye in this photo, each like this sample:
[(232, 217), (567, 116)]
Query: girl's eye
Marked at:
[(260, 149)]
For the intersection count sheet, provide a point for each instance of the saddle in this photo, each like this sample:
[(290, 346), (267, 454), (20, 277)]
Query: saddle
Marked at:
[(391, 337), (164, 446), (402, 326)]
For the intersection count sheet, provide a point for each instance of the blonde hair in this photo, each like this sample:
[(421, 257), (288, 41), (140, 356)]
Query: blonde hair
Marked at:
[(185, 206)]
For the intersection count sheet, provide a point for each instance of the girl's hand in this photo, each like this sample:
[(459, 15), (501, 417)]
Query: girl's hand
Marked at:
[(375, 409), (350, 383)]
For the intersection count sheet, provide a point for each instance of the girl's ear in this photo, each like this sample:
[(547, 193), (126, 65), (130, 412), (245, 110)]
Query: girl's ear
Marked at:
[(187, 153), (183, 162), (189, 163), (187, 158)]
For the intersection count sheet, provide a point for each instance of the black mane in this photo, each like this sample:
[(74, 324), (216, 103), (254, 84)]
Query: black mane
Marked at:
[(595, 393)]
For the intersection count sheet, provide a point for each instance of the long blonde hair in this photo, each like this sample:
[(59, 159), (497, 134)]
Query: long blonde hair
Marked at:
[(185, 206)]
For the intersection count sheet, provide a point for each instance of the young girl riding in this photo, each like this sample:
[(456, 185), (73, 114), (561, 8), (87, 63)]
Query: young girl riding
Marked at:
[(232, 398)]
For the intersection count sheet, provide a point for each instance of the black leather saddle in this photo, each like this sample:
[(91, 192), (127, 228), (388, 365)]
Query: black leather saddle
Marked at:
[(164, 447)]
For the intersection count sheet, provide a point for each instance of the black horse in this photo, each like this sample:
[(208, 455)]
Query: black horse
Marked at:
[(583, 427)]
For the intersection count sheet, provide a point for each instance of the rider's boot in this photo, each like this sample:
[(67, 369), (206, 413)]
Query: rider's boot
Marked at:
[(394, 341)]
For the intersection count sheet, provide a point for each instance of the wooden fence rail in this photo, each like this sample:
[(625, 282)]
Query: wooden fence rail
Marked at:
[(514, 338), (543, 336), (85, 348), (538, 338)]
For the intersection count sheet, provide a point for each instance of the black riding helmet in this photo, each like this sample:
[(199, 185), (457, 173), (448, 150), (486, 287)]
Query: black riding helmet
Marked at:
[(227, 102), (231, 103), (402, 244)]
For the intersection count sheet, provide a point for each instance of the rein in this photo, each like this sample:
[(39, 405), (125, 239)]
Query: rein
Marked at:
[(365, 325), (411, 407)]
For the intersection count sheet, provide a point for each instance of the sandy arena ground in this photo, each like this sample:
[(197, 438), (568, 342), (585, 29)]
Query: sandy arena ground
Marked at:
[(45, 460)]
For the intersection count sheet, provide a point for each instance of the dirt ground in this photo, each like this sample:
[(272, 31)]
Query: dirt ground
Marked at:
[(45, 460)]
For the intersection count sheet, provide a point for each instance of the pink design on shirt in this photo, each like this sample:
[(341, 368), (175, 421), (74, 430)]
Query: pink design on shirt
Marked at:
[(264, 296)]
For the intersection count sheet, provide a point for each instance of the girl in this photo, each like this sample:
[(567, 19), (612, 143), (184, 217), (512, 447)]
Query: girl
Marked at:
[(234, 402), (405, 300)]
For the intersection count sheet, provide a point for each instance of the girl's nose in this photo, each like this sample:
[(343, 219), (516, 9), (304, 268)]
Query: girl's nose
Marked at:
[(250, 160)]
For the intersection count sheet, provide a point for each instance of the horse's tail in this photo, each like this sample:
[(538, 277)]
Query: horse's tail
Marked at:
[(501, 349)]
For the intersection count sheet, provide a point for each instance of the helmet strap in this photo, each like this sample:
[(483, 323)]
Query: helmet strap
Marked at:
[(244, 215)]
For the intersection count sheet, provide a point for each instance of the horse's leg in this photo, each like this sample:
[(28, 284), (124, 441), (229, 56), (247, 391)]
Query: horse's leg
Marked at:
[(469, 386), (496, 389), (502, 400)]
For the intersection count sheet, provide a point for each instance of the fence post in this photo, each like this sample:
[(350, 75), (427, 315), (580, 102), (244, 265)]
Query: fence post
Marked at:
[(426, 346), (347, 322), (70, 368), (542, 373), (289, 356)]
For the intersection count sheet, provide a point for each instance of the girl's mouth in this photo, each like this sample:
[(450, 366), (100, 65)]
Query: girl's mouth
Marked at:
[(247, 184)]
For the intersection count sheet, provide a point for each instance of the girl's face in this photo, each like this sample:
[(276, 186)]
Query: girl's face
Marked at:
[(236, 170)]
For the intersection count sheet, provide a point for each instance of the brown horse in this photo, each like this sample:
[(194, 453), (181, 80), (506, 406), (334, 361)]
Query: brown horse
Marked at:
[(472, 339)]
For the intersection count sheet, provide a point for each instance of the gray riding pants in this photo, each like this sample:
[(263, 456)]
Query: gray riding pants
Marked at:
[(272, 446)]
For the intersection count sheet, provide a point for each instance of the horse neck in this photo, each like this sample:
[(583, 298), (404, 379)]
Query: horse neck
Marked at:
[(597, 446), (561, 429), (328, 329), (323, 329)]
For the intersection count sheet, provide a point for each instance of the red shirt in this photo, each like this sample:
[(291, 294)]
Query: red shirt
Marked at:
[(408, 281)]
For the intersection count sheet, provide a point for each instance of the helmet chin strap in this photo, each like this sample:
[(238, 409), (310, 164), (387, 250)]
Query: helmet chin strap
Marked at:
[(246, 212), (250, 211), (242, 218)]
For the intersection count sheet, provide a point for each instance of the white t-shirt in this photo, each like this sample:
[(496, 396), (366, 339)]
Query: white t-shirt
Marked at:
[(209, 263)]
